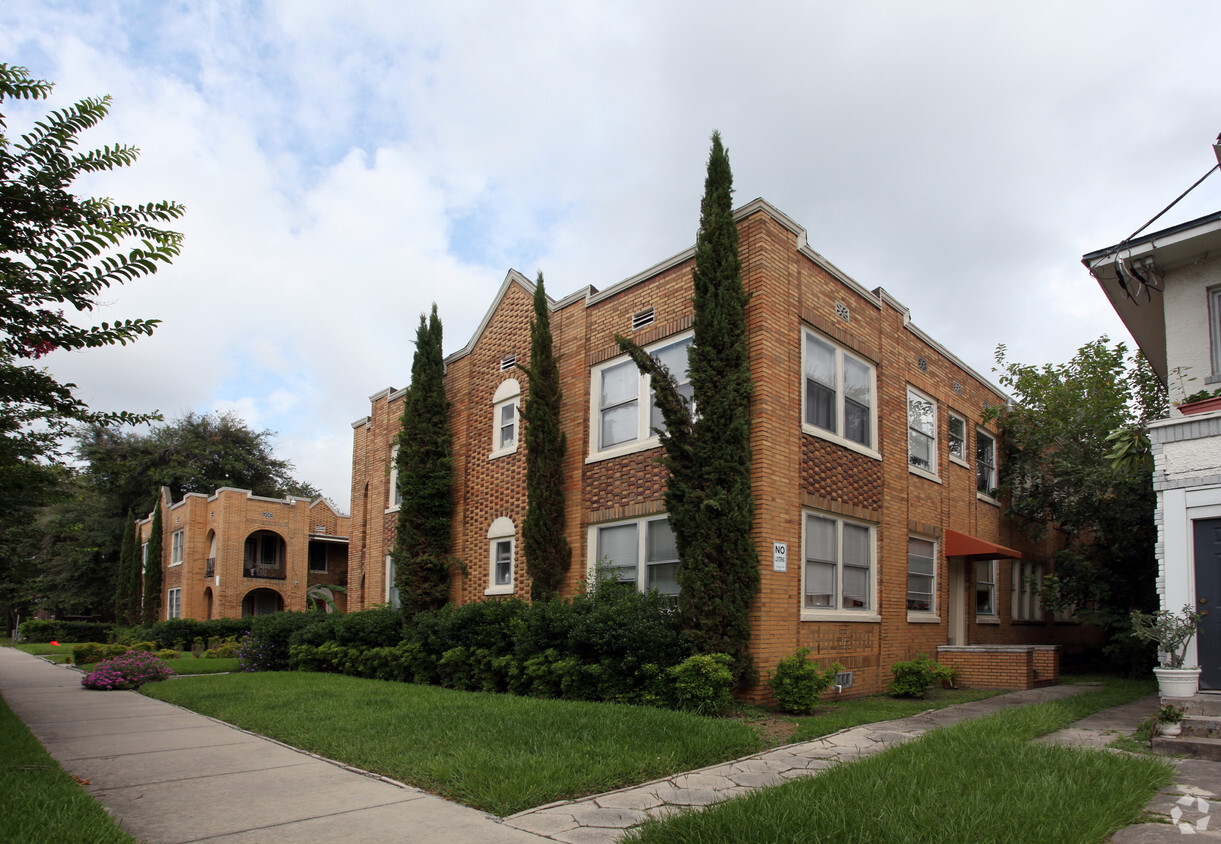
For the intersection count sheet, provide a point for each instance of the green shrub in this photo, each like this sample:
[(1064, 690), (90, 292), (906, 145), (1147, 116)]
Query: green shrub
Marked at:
[(703, 683), (913, 678), (142, 646), (222, 648), (798, 684), (266, 646), (87, 653), (37, 630), (377, 628), (168, 653)]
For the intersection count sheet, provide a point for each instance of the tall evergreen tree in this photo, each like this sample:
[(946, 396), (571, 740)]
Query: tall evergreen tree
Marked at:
[(135, 579), (708, 493), (152, 568), (425, 479), (547, 552), (123, 582)]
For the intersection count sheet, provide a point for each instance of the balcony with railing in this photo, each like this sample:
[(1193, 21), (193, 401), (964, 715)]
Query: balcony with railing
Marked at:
[(210, 567)]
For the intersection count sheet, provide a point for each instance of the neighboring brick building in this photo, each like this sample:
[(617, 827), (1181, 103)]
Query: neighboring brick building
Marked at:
[(235, 554), (875, 542)]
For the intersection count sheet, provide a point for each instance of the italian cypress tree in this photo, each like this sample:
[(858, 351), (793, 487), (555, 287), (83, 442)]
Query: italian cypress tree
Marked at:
[(152, 569), (425, 479), (135, 578), (547, 552), (708, 493), (123, 584)]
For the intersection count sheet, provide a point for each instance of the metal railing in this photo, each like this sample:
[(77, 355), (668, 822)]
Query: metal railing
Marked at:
[(210, 567)]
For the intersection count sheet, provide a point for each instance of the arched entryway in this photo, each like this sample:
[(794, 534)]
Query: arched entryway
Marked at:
[(261, 602), (208, 603)]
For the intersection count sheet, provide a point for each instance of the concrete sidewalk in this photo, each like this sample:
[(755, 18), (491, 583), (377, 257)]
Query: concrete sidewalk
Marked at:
[(169, 775)]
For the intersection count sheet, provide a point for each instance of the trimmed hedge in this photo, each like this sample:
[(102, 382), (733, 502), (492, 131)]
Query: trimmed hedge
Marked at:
[(36, 630), (180, 633)]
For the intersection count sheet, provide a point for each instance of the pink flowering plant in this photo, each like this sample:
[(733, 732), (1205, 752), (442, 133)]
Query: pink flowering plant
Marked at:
[(127, 671)]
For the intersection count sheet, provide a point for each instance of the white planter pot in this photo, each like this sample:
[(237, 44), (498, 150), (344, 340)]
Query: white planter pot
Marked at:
[(1177, 682), (1168, 729)]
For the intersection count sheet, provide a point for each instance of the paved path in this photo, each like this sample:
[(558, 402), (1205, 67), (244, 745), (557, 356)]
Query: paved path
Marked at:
[(170, 775)]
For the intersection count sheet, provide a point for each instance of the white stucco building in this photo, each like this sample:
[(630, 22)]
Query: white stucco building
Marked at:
[(1166, 287)]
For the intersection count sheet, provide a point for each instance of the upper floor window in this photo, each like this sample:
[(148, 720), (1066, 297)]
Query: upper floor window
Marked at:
[(985, 463), (394, 498), (625, 413), (921, 431), (505, 417), (317, 556), (641, 552), (838, 571), (1214, 321), (176, 550), (839, 390), (957, 438), (501, 545)]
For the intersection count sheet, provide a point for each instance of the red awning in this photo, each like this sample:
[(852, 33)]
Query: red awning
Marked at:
[(961, 545)]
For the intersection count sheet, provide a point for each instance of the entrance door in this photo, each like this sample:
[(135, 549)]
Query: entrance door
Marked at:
[(957, 633), (1207, 536)]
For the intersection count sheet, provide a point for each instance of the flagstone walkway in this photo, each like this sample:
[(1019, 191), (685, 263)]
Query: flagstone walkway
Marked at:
[(604, 818)]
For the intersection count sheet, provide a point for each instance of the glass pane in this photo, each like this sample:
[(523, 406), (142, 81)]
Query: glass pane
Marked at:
[(618, 547), (619, 384), (958, 436), (856, 423), (504, 562), (663, 577), (983, 571), (856, 381), (820, 362), (919, 593), (920, 556), (856, 545), (820, 406), (660, 545), (856, 587), (674, 358), (820, 585), (921, 415), (983, 600), (920, 450), (619, 424), (820, 540)]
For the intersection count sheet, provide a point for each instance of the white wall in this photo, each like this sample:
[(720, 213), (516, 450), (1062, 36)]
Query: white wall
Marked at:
[(1187, 333)]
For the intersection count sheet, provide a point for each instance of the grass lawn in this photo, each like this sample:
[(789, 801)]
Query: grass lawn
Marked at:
[(498, 753), (184, 664), (979, 781), (39, 802), (869, 710)]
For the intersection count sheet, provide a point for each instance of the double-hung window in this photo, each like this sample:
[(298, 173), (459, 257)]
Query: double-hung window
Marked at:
[(176, 550), (173, 603), (392, 590), (505, 417), (642, 553), (394, 498), (985, 463), (502, 543), (1025, 591), (957, 438), (921, 574), (838, 571), (839, 391), (625, 412), (985, 587), (921, 431), (1214, 321)]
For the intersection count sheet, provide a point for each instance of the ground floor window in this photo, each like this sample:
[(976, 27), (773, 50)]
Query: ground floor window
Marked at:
[(173, 603), (985, 587), (502, 544), (392, 590), (1025, 592), (642, 552), (838, 570), (921, 574)]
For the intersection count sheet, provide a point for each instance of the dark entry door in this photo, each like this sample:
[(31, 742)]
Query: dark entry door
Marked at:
[(1207, 537)]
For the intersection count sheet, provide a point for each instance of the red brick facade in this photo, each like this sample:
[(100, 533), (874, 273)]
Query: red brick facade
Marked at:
[(241, 554), (798, 469)]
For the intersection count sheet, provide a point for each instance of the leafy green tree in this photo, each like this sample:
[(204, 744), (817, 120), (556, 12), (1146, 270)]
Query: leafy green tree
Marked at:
[(1058, 468), (152, 568), (425, 479), (547, 552), (708, 493)]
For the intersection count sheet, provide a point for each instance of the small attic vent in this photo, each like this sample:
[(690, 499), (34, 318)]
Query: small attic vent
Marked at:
[(508, 362), (642, 318), (922, 364), (841, 311), (958, 388), (843, 679)]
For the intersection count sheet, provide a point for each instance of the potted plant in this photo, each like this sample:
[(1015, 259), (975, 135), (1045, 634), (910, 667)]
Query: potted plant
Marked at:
[(1170, 720), (1171, 633)]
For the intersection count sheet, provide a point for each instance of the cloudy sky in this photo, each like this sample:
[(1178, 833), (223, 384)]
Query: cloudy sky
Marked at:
[(344, 165)]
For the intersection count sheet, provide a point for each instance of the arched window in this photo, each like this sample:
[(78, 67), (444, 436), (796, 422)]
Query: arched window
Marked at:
[(502, 544), (505, 423)]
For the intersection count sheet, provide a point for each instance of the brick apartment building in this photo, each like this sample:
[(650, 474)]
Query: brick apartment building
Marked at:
[(234, 554), (876, 534)]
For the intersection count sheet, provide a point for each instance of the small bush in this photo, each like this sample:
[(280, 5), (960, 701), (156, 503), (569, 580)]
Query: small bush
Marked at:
[(913, 678), (703, 683), (87, 653), (265, 647), (253, 654), (168, 653), (128, 671), (143, 646), (222, 649), (798, 684)]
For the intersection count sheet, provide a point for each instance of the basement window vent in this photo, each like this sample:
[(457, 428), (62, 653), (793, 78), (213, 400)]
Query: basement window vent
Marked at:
[(508, 362), (841, 311), (922, 364), (843, 679), (642, 318), (958, 388)]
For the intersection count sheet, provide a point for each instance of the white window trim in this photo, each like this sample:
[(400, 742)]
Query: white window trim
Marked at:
[(177, 541), (642, 524), (173, 603), (870, 615), (983, 496), (824, 434), (645, 438), (508, 393), (966, 442), (392, 599), (1214, 329), (992, 617), (502, 530), (931, 473), (931, 613), (392, 505)]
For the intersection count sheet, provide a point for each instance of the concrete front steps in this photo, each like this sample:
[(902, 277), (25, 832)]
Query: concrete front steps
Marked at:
[(1201, 736)]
